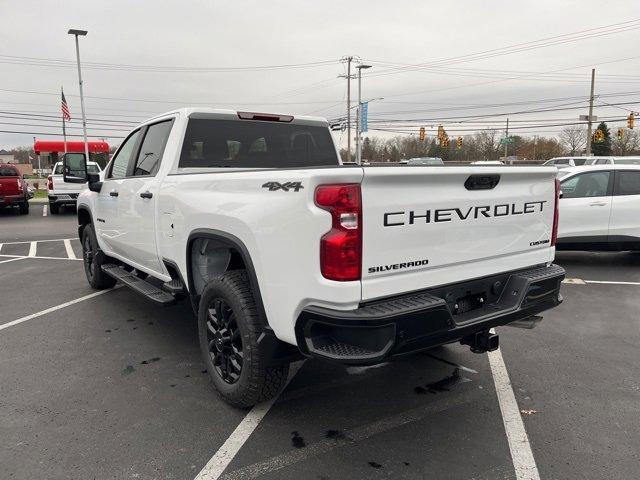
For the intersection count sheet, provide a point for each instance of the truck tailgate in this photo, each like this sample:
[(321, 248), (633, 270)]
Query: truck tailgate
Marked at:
[(430, 226), (61, 187), (10, 186)]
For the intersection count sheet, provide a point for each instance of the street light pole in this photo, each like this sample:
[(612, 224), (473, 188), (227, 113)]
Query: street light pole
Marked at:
[(81, 33), (359, 112)]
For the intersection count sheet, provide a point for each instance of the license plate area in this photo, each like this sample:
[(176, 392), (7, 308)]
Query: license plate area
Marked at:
[(469, 302)]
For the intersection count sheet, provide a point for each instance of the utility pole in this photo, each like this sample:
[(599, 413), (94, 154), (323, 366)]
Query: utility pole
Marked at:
[(535, 143), (348, 76), (593, 78), (81, 33), (349, 60), (506, 140)]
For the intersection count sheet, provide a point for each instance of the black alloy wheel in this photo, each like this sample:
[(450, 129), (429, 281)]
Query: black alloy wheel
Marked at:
[(224, 341), (88, 250)]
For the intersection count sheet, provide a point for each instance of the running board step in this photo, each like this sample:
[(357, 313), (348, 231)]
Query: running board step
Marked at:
[(141, 286), (174, 287)]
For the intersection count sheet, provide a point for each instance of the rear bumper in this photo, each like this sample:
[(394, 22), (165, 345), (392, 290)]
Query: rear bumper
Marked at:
[(425, 319), (63, 198), (8, 200)]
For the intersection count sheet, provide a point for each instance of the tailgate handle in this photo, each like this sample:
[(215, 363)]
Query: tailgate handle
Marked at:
[(481, 182)]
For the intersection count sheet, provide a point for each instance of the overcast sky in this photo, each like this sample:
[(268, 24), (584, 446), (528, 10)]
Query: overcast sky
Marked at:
[(215, 34)]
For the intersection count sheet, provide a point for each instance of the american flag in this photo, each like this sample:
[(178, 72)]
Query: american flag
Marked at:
[(65, 108)]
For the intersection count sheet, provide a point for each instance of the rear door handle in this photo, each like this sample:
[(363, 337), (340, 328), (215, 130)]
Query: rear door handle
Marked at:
[(146, 195), (113, 193), (597, 204)]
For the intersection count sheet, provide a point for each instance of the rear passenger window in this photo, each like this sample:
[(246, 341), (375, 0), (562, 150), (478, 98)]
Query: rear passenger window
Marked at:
[(217, 143), (602, 161), (628, 183), (153, 144), (592, 184)]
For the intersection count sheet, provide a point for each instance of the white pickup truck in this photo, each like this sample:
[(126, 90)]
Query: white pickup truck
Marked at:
[(62, 193), (283, 252)]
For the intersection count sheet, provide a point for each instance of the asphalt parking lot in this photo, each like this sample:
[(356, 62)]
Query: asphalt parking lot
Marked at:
[(111, 386)]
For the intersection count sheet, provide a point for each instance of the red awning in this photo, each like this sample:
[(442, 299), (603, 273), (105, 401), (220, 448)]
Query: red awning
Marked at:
[(58, 146)]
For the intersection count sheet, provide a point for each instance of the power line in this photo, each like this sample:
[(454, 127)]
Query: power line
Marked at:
[(518, 77), (51, 133), (52, 62), (518, 47)]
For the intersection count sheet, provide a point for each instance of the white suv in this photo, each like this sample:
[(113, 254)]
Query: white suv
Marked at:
[(599, 208)]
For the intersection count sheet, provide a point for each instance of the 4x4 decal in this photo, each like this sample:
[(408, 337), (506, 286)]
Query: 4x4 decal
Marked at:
[(273, 186)]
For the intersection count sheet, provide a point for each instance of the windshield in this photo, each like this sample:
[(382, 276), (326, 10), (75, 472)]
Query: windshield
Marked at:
[(8, 172), (211, 143)]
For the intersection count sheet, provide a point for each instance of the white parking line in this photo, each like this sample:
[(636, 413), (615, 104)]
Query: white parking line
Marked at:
[(33, 246), (41, 258), (44, 210), (222, 458), (357, 434), (579, 281), (70, 252), (606, 282), (57, 307), (521, 454), (12, 259), (40, 241)]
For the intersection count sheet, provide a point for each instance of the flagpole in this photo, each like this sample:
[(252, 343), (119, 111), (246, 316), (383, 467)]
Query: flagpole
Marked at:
[(64, 130)]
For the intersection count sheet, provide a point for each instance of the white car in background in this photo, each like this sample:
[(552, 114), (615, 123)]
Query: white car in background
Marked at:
[(425, 161), (600, 208), (564, 162)]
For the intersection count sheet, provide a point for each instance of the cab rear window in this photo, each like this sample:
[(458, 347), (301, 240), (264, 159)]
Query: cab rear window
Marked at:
[(211, 143), (9, 172)]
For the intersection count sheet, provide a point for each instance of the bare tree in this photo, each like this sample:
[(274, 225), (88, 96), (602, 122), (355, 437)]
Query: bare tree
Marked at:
[(628, 145), (488, 144), (574, 139)]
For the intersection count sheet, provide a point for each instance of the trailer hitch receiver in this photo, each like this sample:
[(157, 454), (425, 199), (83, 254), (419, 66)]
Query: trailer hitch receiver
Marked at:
[(481, 342)]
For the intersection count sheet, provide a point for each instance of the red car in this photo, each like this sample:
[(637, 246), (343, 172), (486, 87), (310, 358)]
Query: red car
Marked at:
[(13, 188)]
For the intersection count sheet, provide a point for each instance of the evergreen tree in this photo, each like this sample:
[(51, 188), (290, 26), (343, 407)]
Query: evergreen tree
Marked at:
[(434, 150), (602, 148)]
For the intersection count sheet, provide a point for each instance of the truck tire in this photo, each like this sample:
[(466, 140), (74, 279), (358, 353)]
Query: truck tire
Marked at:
[(54, 208), (229, 328), (24, 208), (92, 262)]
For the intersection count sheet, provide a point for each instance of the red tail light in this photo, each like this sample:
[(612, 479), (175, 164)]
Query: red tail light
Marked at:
[(556, 212), (341, 247), (19, 185), (49, 183)]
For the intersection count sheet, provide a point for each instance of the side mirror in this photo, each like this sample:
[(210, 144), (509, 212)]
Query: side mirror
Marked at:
[(74, 168), (561, 194), (95, 185)]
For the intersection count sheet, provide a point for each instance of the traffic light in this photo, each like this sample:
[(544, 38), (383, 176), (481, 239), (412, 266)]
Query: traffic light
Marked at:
[(598, 136), (630, 121), (620, 133), (459, 143), (422, 133), (444, 141), (441, 132)]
